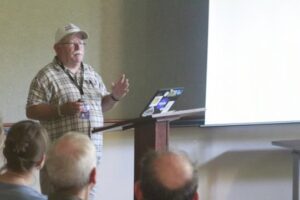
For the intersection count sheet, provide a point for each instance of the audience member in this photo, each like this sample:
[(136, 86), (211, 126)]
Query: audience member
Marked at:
[(167, 176), (71, 166), (24, 150)]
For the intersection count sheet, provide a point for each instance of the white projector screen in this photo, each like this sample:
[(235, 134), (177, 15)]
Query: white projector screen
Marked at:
[(253, 66)]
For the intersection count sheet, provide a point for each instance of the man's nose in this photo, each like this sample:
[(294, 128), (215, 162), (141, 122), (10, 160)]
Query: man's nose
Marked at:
[(77, 45)]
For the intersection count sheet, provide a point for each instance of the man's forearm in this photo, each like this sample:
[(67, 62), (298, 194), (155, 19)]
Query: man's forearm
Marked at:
[(42, 112), (108, 103)]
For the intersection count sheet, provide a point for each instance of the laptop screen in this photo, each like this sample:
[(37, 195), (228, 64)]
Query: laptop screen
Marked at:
[(162, 101)]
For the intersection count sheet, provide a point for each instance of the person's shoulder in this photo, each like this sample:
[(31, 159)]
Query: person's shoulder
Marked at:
[(51, 67), (48, 71), (32, 194), (21, 192)]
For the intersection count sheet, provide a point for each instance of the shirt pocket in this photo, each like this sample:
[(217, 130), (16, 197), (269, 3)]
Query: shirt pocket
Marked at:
[(92, 90)]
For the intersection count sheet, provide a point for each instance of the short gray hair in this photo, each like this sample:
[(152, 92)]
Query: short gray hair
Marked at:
[(70, 161)]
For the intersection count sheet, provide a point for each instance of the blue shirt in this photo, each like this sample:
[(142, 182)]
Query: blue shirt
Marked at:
[(19, 192)]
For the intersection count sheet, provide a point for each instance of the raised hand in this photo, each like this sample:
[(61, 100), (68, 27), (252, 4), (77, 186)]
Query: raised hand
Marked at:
[(120, 88)]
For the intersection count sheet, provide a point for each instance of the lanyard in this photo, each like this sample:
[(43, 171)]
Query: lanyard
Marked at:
[(80, 85)]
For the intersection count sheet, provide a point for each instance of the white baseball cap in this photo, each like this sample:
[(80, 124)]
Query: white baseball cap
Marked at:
[(67, 30)]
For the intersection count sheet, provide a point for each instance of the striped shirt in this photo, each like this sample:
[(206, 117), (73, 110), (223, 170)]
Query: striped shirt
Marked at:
[(52, 85)]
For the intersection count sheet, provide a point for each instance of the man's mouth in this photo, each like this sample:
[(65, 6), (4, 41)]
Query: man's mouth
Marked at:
[(77, 53)]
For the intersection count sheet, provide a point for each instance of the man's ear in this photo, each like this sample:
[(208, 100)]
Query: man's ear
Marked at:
[(138, 191), (56, 48), (41, 162), (196, 196), (93, 176)]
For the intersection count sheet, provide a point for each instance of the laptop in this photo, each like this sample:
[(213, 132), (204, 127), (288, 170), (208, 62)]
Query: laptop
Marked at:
[(162, 101)]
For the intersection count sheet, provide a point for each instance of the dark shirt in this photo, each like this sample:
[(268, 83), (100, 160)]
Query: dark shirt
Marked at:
[(58, 196)]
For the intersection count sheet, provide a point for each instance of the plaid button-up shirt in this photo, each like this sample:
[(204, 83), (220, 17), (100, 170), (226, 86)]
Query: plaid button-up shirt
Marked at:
[(52, 85)]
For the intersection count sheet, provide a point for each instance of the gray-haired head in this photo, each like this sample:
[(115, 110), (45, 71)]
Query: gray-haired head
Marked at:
[(70, 161)]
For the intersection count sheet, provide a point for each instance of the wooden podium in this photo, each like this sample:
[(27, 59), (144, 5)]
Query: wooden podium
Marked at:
[(150, 132)]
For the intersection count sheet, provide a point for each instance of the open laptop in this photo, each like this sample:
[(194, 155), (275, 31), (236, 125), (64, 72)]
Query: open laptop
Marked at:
[(162, 101)]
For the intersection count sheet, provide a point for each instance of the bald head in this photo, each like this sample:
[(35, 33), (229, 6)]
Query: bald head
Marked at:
[(172, 170), (167, 176)]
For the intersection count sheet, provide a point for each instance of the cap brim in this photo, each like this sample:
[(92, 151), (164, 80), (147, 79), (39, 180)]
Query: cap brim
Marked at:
[(83, 34)]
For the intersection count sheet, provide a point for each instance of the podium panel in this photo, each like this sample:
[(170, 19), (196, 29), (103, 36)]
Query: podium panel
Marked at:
[(152, 135)]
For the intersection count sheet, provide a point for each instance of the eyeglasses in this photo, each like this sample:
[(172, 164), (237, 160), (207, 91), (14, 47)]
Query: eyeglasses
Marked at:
[(74, 43)]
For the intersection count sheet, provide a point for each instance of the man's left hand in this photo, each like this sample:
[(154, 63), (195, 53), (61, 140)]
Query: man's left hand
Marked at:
[(120, 88)]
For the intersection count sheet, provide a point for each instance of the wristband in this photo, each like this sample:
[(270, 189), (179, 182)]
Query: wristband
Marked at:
[(59, 111), (114, 98)]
